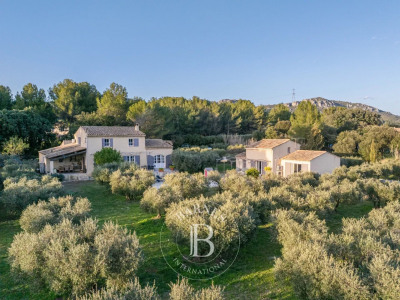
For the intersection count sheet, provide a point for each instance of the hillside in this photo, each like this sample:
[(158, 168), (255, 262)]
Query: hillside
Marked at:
[(323, 103)]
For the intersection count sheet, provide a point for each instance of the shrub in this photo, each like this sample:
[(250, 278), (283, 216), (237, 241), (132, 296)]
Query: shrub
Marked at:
[(176, 187), (184, 185), (360, 262), (15, 146), (36, 216), (157, 200), (253, 172), (238, 220), (237, 183), (181, 290), (194, 161), (214, 176), (107, 155), (18, 194), (103, 172), (60, 177), (350, 161), (71, 259), (14, 167), (132, 182), (132, 290)]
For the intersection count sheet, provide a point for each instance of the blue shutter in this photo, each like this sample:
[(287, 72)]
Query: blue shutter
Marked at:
[(111, 143), (79, 140), (150, 160), (136, 142), (125, 158), (102, 143), (137, 159), (168, 160)]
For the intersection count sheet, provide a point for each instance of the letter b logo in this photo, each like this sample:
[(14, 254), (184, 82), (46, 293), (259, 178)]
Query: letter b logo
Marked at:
[(194, 240)]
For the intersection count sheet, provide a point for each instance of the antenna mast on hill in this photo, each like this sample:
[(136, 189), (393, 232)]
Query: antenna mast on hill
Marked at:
[(293, 95)]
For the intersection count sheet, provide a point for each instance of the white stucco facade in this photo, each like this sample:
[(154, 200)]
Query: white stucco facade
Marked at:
[(265, 153), (324, 163), (284, 157), (78, 154)]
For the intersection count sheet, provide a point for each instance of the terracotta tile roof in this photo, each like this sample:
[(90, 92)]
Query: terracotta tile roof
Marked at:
[(268, 143), (158, 143), (62, 150), (303, 155), (112, 131), (241, 155)]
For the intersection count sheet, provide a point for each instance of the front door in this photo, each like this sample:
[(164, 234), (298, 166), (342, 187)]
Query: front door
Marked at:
[(159, 161)]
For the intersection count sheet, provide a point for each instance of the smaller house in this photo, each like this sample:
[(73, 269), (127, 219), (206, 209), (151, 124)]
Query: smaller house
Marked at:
[(302, 161), (265, 154)]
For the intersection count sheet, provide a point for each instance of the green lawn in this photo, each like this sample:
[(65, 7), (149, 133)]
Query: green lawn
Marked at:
[(221, 167), (250, 277)]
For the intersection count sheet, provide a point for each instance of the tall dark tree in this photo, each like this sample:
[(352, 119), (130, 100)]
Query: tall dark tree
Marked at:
[(30, 96), (72, 98), (279, 112), (306, 124), (6, 99), (27, 125), (114, 103), (35, 98), (349, 119)]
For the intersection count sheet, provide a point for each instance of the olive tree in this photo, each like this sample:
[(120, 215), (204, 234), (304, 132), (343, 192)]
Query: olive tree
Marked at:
[(102, 173), (70, 259), (132, 290), (19, 193), (181, 290), (36, 216), (184, 185), (359, 262), (131, 183), (157, 200), (232, 221)]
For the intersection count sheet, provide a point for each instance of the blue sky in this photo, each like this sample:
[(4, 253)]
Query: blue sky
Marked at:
[(257, 50)]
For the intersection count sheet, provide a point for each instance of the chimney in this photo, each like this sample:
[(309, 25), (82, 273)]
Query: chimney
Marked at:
[(137, 127)]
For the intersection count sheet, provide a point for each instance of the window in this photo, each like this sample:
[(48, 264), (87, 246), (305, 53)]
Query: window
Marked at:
[(79, 140), (297, 168), (159, 159), (288, 150), (133, 142), (132, 159), (106, 142)]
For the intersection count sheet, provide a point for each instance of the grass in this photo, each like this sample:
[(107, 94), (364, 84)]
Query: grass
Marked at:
[(250, 277), (222, 168), (359, 210)]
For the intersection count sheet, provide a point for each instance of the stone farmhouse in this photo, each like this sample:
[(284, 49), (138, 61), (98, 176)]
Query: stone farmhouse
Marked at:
[(76, 156)]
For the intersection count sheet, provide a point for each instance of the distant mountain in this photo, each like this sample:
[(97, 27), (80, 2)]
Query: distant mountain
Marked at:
[(323, 103)]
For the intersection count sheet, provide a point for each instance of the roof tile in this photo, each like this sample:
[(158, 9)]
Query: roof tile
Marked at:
[(158, 143), (268, 143), (112, 131), (303, 155)]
